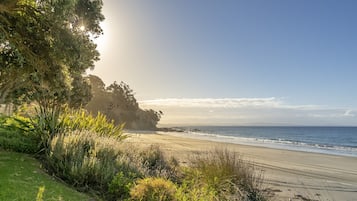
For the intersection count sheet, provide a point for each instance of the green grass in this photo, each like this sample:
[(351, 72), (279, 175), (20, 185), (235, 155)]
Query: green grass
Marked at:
[(21, 177)]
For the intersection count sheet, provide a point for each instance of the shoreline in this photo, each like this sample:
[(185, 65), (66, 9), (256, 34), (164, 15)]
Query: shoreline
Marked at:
[(265, 143), (289, 174), (287, 141)]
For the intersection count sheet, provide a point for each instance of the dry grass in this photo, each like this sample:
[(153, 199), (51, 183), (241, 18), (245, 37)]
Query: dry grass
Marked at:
[(227, 174)]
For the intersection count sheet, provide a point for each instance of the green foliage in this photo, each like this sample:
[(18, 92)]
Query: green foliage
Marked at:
[(22, 176), (46, 124), (120, 186), (42, 126), (44, 52), (227, 175), (80, 93), (81, 120), (147, 119), (39, 129), (153, 158), (98, 162), (15, 135), (155, 164), (84, 159), (117, 102), (195, 191), (18, 141), (153, 189), (16, 123), (101, 163)]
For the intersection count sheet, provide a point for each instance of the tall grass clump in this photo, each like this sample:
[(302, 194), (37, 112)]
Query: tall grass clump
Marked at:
[(154, 164), (84, 159), (226, 175), (44, 123), (81, 120)]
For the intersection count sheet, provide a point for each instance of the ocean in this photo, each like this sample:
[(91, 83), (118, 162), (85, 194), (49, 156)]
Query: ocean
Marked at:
[(327, 140)]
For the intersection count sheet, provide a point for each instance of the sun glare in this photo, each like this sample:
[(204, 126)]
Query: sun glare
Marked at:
[(82, 28), (101, 41)]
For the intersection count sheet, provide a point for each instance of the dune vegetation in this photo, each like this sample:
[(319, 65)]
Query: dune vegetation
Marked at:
[(88, 154)]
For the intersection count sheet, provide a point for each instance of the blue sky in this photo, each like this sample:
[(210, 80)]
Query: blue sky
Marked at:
[(299, 55)]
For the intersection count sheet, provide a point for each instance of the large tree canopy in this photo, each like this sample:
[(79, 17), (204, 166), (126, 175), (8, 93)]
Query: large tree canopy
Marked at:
[(45, 47)]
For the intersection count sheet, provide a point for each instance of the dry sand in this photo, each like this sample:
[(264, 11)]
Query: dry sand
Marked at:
[(291, 175)]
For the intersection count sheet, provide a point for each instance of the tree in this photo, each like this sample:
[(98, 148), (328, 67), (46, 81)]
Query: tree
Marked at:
[(123, 105), (101, 98), (45, 47), (147, 119), (118, 103)]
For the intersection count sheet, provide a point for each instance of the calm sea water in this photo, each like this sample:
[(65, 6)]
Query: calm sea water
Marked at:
[(328, 140)]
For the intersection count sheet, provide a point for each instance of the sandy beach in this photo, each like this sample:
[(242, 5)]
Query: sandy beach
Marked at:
[(290, 175)]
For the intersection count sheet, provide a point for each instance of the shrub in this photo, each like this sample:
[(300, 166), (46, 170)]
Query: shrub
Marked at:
[(195, 191), (84, 159), (16, 123), (46, 122), (81, 120), (155, 164), (154, 189), (15, 134), (226, 174), (120, 186), (42, 125), (18, 141)]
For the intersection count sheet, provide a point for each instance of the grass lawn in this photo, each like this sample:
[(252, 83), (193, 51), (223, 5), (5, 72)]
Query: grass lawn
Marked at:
[(21, 177)]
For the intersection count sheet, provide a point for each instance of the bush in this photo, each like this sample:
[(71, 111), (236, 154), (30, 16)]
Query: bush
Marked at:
[(81, 120), (84, 159), (18, 142), (16, 123), (154, 189), (15, 134), (195, 191), (120, 186), (226, 174), (47, 122), (155, 164)]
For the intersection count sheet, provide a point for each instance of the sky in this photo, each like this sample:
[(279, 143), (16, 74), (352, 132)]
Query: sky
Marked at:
[(235, 62)]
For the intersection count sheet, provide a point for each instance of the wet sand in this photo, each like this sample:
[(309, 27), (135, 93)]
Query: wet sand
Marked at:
[(291, 175)]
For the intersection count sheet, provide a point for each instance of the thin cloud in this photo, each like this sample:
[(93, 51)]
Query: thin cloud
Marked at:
[(247, 111), (334, 114), (349, 113), (271, 102)]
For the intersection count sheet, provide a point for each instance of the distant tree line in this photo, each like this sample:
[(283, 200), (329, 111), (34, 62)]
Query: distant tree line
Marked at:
[(118, 103)]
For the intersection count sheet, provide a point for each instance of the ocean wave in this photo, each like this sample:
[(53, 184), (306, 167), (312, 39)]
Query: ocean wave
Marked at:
[(278, 143)]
